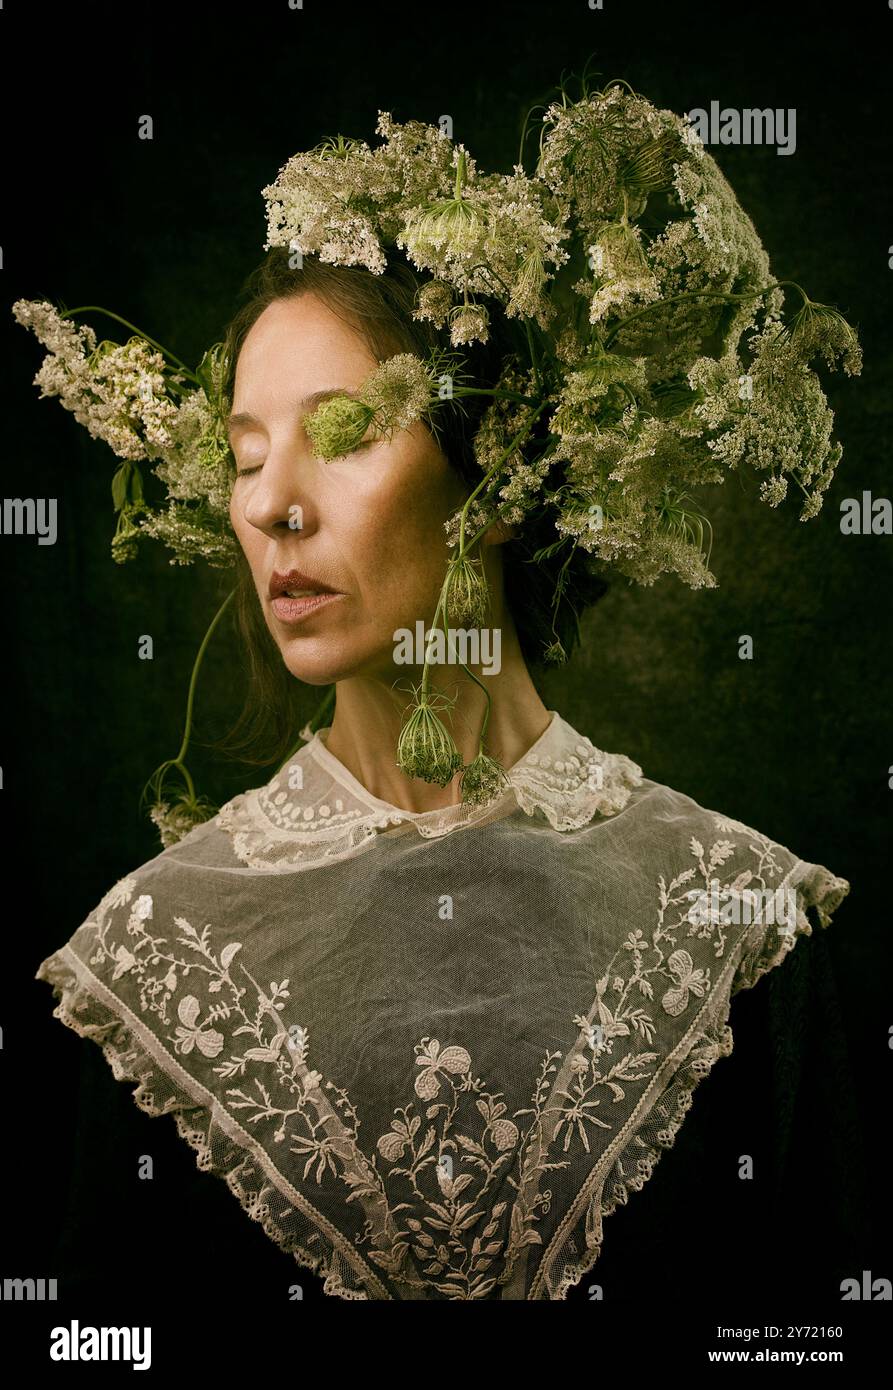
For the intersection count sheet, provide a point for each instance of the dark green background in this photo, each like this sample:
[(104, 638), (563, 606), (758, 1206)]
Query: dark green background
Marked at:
[(796, 742)]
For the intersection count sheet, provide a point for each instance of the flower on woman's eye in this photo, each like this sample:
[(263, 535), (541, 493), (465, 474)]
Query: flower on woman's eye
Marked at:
[(398, 392), (338, 426)]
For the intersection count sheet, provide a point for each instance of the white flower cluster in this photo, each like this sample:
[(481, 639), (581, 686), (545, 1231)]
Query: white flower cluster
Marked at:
[(640, 332), (116, 391), (643, 393), (498, 235), (652, 358), (127, 396)]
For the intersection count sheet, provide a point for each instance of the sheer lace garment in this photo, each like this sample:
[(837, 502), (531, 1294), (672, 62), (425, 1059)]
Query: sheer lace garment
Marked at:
[(430, 1052)]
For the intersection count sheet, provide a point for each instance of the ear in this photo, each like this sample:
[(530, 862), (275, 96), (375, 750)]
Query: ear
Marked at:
[(499, 533)]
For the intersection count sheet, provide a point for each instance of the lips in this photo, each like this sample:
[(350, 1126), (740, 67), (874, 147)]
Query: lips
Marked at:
[(296, 596), (296, 583)]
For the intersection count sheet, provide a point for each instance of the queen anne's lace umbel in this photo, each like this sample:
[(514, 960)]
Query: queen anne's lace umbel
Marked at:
[(602, 425), (432, 1063)]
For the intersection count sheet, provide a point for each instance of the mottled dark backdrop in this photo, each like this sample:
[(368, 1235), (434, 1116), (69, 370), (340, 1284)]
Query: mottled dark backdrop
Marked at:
[(796, 742)]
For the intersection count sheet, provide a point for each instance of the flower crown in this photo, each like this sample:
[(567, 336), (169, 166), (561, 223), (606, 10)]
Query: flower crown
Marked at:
[(656, 360)]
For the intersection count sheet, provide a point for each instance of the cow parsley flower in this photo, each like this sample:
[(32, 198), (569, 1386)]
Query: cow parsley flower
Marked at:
[(653, 354)]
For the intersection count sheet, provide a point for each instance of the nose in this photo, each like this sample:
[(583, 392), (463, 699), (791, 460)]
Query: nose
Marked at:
[(280, 498)]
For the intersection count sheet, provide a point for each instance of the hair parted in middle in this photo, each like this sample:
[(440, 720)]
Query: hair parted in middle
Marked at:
[(380, 308)]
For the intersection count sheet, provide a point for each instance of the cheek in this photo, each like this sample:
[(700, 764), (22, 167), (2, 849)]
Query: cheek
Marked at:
[(398, 540)]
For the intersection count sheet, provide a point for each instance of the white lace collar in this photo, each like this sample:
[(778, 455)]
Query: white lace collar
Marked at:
[(314, 809)]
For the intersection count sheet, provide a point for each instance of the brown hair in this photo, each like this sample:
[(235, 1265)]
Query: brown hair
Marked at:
[(380, 308)]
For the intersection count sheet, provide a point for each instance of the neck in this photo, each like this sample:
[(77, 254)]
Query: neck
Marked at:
[(369, 713)]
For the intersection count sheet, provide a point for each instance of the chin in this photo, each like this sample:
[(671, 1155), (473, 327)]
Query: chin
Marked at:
[(318, 662), (322, 668)]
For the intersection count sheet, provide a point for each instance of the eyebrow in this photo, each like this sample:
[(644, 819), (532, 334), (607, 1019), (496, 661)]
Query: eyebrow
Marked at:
[(306, 403)]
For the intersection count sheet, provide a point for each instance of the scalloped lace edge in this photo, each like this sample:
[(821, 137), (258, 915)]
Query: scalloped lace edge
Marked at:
[(253, 835), (129, 1061), (825, 892)]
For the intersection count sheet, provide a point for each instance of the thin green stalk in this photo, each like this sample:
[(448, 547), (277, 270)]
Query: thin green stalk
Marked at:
[(468, 671), (426, 680), (98, 309), (190, 698), (537, 379), (461, 550), (522, 432), (158, 776), (486, 720), (495, 391)]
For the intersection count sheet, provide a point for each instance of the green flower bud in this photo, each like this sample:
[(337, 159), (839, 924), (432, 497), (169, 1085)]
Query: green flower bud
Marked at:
[(425, 747), (338, 426), (466, 595), (482, 780)]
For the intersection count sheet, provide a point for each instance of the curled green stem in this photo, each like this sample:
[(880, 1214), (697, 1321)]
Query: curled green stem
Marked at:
[(98, 309), (178, 761)]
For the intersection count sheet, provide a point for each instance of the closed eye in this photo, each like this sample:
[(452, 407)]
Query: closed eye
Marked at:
[(367, 444)]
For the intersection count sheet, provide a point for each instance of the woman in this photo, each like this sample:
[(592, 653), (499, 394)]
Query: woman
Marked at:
[(431, 1018), (395, 1023)]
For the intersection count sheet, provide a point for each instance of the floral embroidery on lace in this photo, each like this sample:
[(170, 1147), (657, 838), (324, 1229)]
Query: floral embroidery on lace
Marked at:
[(427, 1184)]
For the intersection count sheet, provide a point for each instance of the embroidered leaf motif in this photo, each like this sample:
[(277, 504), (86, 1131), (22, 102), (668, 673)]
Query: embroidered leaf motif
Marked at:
[(422, 1200), (188, 1010)]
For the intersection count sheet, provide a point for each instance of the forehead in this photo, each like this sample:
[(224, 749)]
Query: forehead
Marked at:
[(297, 353), (301, 337)]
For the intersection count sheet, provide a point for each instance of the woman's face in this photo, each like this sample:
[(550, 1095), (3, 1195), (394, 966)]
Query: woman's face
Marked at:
[(371, 523)]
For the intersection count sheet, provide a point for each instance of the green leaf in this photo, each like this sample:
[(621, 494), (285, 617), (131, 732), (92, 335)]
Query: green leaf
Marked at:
[(136, 486), (210, 373), (119, 486)]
